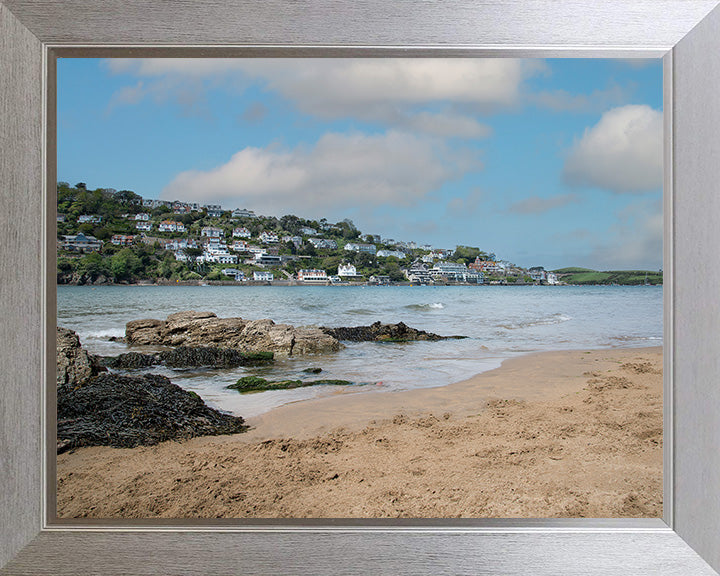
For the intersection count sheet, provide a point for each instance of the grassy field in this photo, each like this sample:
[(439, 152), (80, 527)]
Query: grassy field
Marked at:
[(622, 277)]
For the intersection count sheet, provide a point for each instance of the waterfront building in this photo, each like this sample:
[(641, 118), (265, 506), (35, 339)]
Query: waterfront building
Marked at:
[(312, 276), (347, 270), (418, 274), (263, 276), (455, 272)]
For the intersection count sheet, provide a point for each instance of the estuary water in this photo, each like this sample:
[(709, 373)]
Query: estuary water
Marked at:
[(499, 321)]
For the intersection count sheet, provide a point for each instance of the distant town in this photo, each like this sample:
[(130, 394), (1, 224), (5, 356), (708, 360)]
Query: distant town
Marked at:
[(106, 236)]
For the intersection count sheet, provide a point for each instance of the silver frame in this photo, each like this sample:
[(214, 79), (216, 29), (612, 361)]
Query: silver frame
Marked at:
[(684, 32)]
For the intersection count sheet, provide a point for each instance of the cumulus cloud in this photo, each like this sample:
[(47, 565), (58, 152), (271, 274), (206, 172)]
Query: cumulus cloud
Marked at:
[(388, 91), (623, 152), (340, 171), (538, 205)]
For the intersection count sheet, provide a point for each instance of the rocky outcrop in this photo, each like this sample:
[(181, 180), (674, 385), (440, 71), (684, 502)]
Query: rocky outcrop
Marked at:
[(74, 365), (128, 411), (195, 329), (186, 357), (378, 332)]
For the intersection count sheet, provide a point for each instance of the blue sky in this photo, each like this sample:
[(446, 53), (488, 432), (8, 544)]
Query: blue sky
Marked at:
[(544, 162)]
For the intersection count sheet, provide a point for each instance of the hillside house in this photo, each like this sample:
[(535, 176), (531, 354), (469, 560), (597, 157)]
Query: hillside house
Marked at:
[(81, 243)]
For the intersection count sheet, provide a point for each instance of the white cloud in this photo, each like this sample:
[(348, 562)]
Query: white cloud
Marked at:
[(623, 152), (340, 171), (538, 205), (385, 90)]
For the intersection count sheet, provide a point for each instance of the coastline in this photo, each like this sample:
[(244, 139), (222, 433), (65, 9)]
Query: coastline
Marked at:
[(551, 434)]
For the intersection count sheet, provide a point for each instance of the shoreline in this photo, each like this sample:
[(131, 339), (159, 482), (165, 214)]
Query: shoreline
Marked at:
[(351, 410), (550, 434)]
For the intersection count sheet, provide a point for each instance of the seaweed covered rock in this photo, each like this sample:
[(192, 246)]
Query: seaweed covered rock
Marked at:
[(257, 384), (187, 357), (378, 332), (129, 411), (195, 329), (74, 364)]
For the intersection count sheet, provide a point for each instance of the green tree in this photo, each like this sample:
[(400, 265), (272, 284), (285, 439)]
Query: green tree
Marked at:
[(125, 264)]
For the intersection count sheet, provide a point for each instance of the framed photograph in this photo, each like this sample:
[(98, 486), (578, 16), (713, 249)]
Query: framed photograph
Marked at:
[(684, 34)]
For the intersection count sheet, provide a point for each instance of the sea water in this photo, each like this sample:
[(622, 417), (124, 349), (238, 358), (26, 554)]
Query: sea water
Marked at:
[(499, 322)]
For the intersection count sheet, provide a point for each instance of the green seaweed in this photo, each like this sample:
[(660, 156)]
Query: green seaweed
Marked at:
[(256, 384)]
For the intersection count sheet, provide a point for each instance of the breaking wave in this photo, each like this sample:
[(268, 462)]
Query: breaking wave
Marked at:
[(557, 318), (430, 306)]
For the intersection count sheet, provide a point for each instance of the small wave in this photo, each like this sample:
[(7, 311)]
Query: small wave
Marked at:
[(430, 306), (361, 311), (547, 321), (104, 334)]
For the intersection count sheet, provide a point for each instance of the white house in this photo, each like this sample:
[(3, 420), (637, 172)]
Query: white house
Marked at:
[(170, 226), (240, 246), (226, 258), (144, 226), (241, 233), (255, 250), (238, 213), (296, 240), (552, 279), (347, 270), (307, 231), (367, 248), (212, 232), (312, 276), (268, 238), (263, 276), (142, 217), (387, 253), (122, 240), (89, 218), (180, 256), (323, 243)]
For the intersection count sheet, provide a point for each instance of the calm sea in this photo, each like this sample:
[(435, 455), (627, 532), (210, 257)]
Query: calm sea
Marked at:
[(500, 322)]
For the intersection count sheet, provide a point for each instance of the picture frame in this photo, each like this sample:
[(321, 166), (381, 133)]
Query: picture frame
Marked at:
[(684, 32)]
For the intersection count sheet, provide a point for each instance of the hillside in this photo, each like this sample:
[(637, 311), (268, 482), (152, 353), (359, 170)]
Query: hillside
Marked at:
[(620, 277)]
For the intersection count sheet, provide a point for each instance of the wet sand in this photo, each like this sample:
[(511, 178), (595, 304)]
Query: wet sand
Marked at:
[(557, 434)]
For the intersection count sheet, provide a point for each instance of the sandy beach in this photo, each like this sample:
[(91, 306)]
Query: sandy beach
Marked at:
[(555, 434)]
